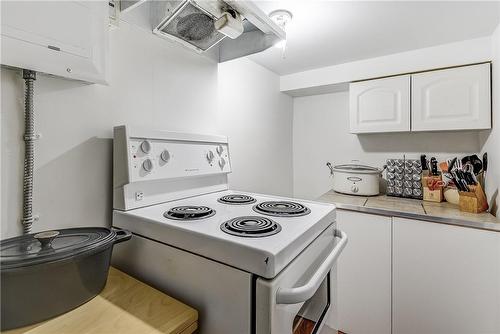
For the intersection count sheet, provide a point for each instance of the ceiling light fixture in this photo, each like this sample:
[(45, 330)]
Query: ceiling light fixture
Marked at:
[(282, 18)]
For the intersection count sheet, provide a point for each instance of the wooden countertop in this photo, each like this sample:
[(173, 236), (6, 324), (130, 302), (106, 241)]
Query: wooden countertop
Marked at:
[(126, 305), (443, 212)]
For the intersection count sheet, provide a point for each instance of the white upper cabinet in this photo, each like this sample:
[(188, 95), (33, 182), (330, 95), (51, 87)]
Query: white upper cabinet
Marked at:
[(63, 38), (452, 99), (381, 105)]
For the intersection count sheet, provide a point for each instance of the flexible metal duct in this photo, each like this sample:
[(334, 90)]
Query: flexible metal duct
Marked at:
[(29, 150)]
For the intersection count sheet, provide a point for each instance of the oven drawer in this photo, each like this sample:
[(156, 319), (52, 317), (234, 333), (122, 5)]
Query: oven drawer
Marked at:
[(298, 299)]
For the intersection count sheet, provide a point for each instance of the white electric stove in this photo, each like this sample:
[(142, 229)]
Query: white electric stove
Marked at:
[(249, 263)]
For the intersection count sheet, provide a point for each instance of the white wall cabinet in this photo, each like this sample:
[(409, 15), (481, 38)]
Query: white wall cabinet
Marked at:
[(452, 99), (363, 301), (381, 105), (63, 38), (446, 279)]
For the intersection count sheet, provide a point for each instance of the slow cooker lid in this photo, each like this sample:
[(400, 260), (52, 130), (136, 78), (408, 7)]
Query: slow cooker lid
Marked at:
[(27, 250), (356, 168)]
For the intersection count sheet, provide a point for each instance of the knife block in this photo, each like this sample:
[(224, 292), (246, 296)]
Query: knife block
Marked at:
[(435, 195), (473, 201)]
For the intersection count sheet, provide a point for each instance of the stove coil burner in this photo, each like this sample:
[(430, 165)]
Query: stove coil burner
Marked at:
[(236, 199), (282, 209), (251, 226), (189, 212)]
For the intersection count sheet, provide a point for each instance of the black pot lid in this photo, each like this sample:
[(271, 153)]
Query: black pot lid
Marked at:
[(49, 246)]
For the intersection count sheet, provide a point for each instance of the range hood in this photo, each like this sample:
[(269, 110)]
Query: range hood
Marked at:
[(231, 28)]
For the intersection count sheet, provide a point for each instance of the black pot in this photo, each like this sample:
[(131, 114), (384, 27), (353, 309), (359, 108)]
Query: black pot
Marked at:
[(49, 273)]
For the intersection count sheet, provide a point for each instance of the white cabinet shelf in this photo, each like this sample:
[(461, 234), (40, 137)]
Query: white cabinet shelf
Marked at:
[(450, 99), (62, 38), (380, 105)]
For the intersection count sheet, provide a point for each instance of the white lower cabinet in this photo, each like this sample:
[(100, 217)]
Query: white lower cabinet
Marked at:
[(405, 276), (446, 279), (363, 302)]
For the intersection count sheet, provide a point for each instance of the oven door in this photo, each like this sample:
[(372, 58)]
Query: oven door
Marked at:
[(299, 298)]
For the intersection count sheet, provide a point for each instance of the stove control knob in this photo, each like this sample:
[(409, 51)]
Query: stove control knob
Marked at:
[(222, 163), (165, 155), (147, 165), (146, 146), (354, 189), (219, 150), (210, 156)]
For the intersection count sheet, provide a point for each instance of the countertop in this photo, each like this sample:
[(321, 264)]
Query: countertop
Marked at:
[(443, 212), (126, 305)]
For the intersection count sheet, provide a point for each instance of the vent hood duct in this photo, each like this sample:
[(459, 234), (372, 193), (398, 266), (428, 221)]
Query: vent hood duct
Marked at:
[(192, 24)]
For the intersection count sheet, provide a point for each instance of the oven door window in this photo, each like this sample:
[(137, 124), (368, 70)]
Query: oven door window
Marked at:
[(310, 317)]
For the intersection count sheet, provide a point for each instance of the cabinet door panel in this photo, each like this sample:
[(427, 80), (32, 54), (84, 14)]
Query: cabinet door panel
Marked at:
[(364, 275), (36, 23), (381, 105), (64, 38), (446, 279), (452, 99)]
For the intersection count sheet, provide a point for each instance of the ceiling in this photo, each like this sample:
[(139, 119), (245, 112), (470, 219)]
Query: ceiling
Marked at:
[(324, 33)]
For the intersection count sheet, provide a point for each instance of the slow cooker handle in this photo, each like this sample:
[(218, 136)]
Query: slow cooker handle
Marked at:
[(329, 165), (122, 235)]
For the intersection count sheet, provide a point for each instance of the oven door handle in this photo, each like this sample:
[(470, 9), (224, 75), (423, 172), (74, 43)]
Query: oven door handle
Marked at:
[(302, 293)]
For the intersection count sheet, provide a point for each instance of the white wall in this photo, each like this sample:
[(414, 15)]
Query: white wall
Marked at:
[(321, 134), (152, 83), (258, 120), (491, 138), (458, 53)]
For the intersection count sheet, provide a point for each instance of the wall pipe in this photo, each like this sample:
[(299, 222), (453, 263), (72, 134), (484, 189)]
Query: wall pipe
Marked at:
[(29, 150)]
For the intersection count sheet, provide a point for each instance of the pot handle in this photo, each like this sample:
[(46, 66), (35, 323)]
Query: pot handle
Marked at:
[(122, 235), (46, 238)]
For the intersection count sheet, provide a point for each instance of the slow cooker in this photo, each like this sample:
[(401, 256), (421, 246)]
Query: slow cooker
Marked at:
[(356, 179)]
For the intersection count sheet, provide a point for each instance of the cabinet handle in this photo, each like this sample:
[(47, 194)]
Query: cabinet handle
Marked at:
[(52, 47)]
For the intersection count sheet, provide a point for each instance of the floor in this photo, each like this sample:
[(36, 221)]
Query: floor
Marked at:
[(328, 330), (304, 326)]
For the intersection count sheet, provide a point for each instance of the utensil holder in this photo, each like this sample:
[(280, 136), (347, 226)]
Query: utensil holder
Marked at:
[(435, 195), (473, 201)]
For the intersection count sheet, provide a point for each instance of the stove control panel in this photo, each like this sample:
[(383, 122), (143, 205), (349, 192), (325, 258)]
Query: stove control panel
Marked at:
[(161, 159), (154, 166)]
